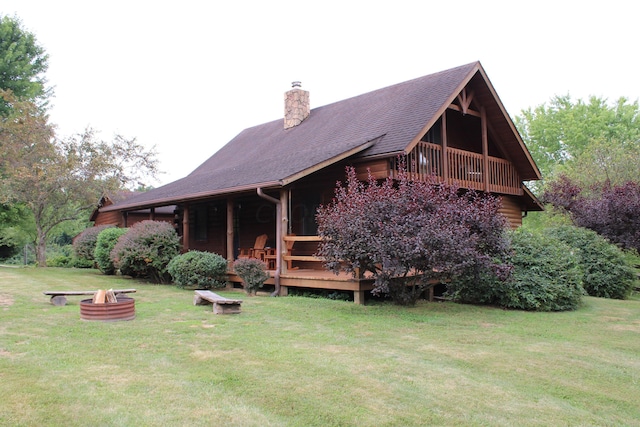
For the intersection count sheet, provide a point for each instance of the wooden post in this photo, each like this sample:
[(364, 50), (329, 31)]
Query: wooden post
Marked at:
[(152, 214), (485, 148), (445, 154), (230, 249), (358, 297), (284, 225), (185, 228)]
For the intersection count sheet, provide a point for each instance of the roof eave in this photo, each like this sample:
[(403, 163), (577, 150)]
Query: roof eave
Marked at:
[(166, 201), (463, 83), (329, 162), (536, 175), (533, 199), (512, 126)]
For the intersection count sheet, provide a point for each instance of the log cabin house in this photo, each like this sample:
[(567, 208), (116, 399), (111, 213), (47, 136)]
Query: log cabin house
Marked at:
[(271, 178), (100, 216)]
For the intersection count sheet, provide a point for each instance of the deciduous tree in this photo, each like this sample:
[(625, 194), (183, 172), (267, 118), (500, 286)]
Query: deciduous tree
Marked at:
[(590, 141), (58, 180), (23, 64)]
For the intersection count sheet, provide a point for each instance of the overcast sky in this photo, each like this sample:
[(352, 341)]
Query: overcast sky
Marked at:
[(188, 76)]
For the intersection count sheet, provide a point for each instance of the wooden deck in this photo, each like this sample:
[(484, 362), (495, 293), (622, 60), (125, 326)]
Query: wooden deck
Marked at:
[(317, 279), (467, 169)]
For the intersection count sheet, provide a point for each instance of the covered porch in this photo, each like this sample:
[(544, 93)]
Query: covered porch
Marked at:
[(276, 226)]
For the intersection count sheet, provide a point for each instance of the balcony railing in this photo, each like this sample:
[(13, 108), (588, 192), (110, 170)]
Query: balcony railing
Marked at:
[(465, 168)]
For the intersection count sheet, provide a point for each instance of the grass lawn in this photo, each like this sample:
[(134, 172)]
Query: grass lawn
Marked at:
[(296, 361)]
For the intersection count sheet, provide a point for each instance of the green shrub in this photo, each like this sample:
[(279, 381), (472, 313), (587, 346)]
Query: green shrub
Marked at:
[(60, 261), (81, 263), (632, 258), (546, 274), (64, 256), (606, 273), (253, 273), (476, 285), (105, 243), (145, 251), (84, 244), (204, 270)]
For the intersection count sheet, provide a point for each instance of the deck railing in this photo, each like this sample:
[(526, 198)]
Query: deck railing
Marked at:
[(291, 239), (465, 168)]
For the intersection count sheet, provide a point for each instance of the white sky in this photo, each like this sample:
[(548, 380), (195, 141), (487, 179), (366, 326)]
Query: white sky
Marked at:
[(188, 76)]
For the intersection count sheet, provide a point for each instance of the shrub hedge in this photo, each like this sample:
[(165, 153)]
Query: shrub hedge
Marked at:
[(105, 243), (605, 270), (204, 270), (546, 274), (84, 244), (145, 251)]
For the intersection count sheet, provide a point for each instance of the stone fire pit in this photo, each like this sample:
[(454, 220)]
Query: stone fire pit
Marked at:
[(123, 309)]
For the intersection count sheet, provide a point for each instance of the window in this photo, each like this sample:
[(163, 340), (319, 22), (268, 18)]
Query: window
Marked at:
[(200, 222)]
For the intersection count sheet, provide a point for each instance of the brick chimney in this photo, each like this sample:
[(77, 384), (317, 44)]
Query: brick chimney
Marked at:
[(296, 106)]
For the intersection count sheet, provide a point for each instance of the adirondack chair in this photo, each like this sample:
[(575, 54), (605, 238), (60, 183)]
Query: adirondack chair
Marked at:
[(270, 256), (257, 251)]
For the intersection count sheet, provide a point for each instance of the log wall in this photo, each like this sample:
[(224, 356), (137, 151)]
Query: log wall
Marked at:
[(109, 218), (512, 210)]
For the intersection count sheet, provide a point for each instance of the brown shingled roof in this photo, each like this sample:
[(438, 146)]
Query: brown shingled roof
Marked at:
[(379, 123)]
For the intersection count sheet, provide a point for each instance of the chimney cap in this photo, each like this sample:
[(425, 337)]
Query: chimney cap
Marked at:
[(296, 84)]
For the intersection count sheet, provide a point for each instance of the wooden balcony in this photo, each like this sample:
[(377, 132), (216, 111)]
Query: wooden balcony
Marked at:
[(464, 168)]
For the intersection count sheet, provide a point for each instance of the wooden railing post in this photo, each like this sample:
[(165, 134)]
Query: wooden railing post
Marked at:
[(468, 169), (230, 236), (445, 150), (185, 228), (485, 148)]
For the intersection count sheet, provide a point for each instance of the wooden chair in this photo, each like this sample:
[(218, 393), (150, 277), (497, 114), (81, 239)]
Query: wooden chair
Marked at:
[(257, 251), (270, 255)]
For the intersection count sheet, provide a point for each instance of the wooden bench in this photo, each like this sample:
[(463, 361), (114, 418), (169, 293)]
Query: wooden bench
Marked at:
[(59, 298), (221, 305)]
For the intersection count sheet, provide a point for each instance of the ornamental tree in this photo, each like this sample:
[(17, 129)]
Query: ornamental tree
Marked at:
[(408, 235), (610, 210), (613, 212)]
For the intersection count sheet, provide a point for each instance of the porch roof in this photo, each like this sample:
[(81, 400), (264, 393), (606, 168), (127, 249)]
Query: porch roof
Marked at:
[(381, 123)]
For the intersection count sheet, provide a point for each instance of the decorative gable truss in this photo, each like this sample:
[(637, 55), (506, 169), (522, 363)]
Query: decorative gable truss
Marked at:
[(462, 148)]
